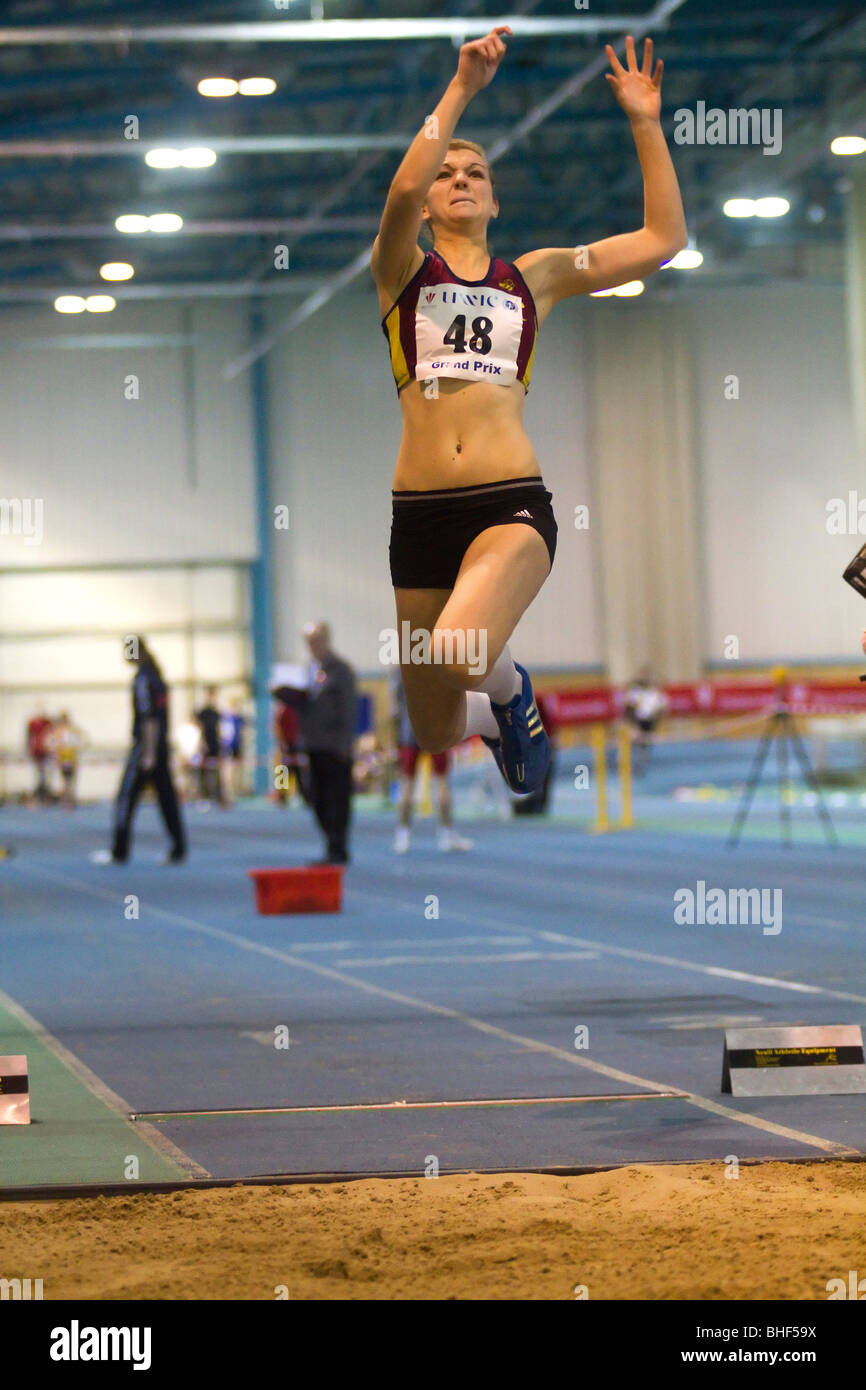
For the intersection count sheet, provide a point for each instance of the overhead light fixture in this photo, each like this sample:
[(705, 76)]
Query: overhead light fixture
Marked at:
[(217, 87), (599, 294), (257, 86), (100, 303), (739, 207), (131, 222), (162, 159), (196, 157), (164, 222), (687, 259), (756, 207), (630, 288), (69, 304), (848, 144), (772, 207), (116, 270)]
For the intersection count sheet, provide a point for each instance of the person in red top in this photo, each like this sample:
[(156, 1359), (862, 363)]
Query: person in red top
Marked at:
[(39, 732), (287, 730)]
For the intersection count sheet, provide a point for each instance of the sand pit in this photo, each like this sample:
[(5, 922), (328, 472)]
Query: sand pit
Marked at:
[(778, 1231)]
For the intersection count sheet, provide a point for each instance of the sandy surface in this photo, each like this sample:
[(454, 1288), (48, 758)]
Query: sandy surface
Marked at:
[(685, 1231)]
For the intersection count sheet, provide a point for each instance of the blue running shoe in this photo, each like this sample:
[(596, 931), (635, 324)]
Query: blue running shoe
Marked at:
[(495, 746), (525, 747)]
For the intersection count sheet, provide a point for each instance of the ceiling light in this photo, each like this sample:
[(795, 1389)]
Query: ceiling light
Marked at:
[(739, 207), (69, 304), (131, 222), (848, 144), (257, 86), (217, 87), (99, 303), (197, 157), (687, 259), (163, 159), (164, 222), (631, 287), (116, 270), (772, 207)]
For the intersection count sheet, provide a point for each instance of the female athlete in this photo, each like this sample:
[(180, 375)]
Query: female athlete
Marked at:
[(473, 533)]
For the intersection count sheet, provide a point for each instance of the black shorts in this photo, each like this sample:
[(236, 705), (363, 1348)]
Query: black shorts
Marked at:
[(431, 531)]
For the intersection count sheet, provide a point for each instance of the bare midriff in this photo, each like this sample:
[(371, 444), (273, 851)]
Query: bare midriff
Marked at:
[(471, 432)]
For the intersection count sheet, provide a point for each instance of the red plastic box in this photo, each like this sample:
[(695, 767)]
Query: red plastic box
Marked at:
[(298, 890)]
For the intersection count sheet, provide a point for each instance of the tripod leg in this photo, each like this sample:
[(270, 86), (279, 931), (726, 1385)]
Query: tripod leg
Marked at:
[(810, 778), (784, 804), (754, 778)]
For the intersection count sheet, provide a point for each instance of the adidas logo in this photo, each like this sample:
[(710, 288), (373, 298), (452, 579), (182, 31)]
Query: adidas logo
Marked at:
[(524, 513)]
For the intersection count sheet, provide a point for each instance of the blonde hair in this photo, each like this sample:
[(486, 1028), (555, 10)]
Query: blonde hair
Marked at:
[(463, 145)]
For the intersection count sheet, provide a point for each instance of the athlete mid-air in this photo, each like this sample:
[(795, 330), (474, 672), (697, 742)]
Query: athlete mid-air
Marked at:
[(473, 532)]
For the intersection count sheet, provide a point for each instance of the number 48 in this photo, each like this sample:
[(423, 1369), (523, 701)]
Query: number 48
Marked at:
[(479, 342)]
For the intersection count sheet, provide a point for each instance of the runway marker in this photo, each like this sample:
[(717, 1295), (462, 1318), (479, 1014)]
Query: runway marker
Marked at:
[(159, 1115)]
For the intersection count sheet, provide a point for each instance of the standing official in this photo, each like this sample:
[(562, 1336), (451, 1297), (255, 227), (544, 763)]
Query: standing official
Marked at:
[(328, 713), (148, 760)]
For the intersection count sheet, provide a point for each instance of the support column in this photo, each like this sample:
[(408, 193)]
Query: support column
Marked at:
[(260, 570), (855, 228), (645, 492)]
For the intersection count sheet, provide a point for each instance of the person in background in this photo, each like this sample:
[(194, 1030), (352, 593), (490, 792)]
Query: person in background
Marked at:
[(67, 742), (208, 720), (39, 751), (189, 745), (407, 744), (328, 711), (148, 760), (287, 732), (232, 728), (645, 706)]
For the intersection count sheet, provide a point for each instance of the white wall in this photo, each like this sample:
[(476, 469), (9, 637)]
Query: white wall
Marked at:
[(768, 464), (164, 477)]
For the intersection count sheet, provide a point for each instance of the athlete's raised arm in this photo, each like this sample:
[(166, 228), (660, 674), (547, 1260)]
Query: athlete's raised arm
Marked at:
[(396, 253), (558, 272)]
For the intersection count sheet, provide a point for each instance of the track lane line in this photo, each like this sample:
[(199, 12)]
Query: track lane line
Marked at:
[(243, 943)]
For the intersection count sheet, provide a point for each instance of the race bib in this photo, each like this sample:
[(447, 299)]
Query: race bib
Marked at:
[(469, 333)]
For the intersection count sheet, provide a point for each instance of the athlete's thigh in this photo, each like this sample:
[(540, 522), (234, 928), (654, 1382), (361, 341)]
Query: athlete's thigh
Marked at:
[(432, 703), (501, 573)]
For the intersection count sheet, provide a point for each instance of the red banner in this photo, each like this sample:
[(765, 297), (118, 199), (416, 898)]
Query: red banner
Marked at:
[(600, 704)]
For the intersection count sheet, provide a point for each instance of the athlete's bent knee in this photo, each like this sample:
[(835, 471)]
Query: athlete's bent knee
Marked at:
[(460, 657), (437, 742)]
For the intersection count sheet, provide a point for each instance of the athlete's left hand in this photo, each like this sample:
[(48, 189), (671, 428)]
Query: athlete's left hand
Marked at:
[(638, 92)]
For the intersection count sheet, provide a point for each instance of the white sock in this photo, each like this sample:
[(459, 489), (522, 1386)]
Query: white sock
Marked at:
[(479, 716), (503, 681)]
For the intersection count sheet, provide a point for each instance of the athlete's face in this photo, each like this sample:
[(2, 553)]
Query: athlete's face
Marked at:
[(461, 196)]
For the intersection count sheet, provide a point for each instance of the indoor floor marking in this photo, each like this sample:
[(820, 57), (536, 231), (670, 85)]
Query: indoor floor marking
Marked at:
[(676, 962), (531, 1044)]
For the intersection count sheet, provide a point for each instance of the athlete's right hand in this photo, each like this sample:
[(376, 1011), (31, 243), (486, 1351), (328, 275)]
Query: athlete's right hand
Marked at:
[(480, 59)]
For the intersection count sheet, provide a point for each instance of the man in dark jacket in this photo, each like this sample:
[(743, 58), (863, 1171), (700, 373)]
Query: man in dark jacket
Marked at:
[(328, 712)]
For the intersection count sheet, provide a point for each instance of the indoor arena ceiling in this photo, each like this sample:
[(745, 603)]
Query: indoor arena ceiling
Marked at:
[(73, 73)]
